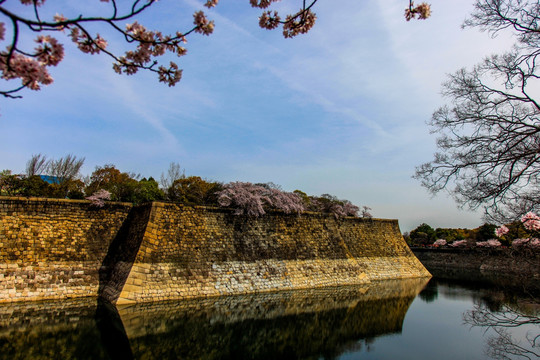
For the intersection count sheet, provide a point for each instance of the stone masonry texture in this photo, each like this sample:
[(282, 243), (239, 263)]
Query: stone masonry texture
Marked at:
[(56, 249)]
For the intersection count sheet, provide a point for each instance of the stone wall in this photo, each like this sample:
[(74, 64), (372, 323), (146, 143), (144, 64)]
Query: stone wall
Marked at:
[(503, 266), (53, 248), (195, 252), (159, 251)]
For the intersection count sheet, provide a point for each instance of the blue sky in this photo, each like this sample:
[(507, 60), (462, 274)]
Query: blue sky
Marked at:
[(341, 110)]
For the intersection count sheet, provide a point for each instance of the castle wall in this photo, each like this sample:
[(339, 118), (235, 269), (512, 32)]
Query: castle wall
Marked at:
[(159, 251)]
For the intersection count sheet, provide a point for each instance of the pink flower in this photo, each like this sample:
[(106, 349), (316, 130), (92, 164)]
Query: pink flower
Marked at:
[(49, 52), (490, 243), (518, 243), (211, 3), (531, 221), (534, 243), (31, 2), (171, 76), (440, 242), (98, 198), (269, 21), (30, 71), (501, 231), (459, 243), (204, 26)]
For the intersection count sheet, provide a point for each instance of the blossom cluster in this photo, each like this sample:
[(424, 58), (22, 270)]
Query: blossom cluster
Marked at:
[(491, 243), (440, 242), (251, 199), (521, 243), (501, 231), (31, 67), (531, 222), (294, 24), (459, 243), (423, 11), (256, 199), (300, 23), (98, 198)]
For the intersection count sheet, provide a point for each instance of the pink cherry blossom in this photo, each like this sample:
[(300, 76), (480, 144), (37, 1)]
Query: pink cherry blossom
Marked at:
[(531, 221), (519, 243), (49, 52), (501, 231), (31, 2), (262, 4), (492, 243), (204, 26), (440, 242), (459, 243), (98, 198), (211, 3), (30, 71), (269, 21), (300, 23)]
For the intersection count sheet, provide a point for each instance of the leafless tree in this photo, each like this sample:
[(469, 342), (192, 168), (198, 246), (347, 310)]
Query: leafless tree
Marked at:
[(37, 165), (489, 135), (66, 168), (175, 172)]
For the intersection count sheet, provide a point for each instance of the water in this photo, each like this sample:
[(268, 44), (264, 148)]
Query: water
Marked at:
[(384, 320)]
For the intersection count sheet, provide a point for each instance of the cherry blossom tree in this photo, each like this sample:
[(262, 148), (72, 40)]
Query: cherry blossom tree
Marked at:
[(30, 66), (252, 199), (531, 222), (98, 198)]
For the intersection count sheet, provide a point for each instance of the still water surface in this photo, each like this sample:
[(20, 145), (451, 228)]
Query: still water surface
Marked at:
[(386, 320)]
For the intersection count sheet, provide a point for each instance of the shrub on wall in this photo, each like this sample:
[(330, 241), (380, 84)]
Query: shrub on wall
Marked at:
[(193, 190)]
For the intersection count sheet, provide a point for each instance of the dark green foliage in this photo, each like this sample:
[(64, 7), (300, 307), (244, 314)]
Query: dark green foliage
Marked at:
[(423, 235), (516, 230), (33, 186), (8, 183), (193, 190), (485, 232), (450, 235), (147, 191), (122, 186)]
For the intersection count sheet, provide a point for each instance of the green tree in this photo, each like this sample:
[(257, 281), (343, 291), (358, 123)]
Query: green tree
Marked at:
[(147, 190), (193, 190), (33, 186), (423, 235), (121, 185), (485, 232)]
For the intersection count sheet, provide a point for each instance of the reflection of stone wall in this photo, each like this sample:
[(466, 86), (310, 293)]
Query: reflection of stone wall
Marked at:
[(298, 324), (152, 318), (61, 248), (52, 248), (311, 323)]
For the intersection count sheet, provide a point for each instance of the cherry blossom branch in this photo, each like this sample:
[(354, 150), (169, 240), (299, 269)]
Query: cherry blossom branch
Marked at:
[(31, 67)]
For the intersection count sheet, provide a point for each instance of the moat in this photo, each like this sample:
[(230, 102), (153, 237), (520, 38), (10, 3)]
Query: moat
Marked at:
[(398, 319)]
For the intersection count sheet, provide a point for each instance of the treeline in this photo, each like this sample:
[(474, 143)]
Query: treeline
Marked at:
[(425, 235), (62, 179)]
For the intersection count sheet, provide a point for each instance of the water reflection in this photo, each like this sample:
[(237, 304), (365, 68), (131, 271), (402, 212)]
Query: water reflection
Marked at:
[(504, 344), (509, 317), (308, 324)]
